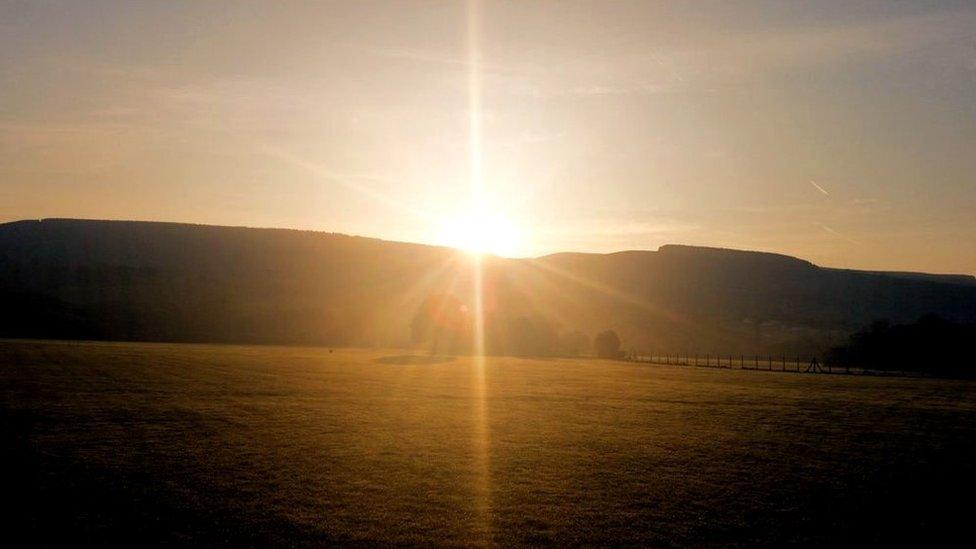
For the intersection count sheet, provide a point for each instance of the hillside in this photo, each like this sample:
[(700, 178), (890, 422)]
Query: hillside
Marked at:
[(174, 282)]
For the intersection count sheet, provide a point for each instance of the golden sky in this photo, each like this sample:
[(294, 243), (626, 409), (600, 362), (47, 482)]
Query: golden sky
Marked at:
[(843, 133)]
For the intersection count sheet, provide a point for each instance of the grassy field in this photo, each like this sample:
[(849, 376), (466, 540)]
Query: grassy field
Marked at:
[(111, 443)]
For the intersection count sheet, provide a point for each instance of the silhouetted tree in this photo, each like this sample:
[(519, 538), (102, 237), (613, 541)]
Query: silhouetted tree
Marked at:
[(441, 323), (607, 344)]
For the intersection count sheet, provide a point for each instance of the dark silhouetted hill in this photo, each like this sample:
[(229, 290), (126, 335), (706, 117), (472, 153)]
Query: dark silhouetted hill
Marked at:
[(124, 280)]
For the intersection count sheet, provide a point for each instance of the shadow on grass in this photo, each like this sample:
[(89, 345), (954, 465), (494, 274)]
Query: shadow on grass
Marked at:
[(414, 359)]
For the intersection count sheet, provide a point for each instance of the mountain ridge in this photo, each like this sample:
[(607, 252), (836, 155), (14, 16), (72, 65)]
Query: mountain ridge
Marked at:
[(664, 248), (134, 280)]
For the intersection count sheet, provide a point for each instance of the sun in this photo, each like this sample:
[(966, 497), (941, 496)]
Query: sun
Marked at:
[(479, 230)]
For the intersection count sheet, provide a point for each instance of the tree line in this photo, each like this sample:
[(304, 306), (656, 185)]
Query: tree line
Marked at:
[(932, 344)]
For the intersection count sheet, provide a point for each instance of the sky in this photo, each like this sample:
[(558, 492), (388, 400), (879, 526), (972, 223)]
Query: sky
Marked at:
[(840, 132)]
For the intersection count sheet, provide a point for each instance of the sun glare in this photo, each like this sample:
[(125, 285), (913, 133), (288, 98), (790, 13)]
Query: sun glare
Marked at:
[(480, 231)]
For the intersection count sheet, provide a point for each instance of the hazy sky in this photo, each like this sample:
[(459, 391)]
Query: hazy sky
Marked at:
[(841, 132)]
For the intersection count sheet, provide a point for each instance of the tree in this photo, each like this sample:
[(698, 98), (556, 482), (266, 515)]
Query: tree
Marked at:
[(607, 344), (441, 322), (932, 344)]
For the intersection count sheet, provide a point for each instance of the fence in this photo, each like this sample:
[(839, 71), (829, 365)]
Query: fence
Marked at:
[(782, 363)]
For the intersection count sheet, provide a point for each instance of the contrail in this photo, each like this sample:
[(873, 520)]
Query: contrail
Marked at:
[(838, 234), (819, 188)]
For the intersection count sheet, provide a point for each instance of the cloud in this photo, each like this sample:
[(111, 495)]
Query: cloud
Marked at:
[(811, 45), (556, 76), (713, 60), (533, 137)]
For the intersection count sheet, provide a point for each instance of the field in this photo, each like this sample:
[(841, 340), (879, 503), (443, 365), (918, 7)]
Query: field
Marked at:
[(111, 443)]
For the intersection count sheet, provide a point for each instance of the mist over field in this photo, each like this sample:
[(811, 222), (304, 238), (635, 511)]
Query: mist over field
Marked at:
[(119, 443)]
